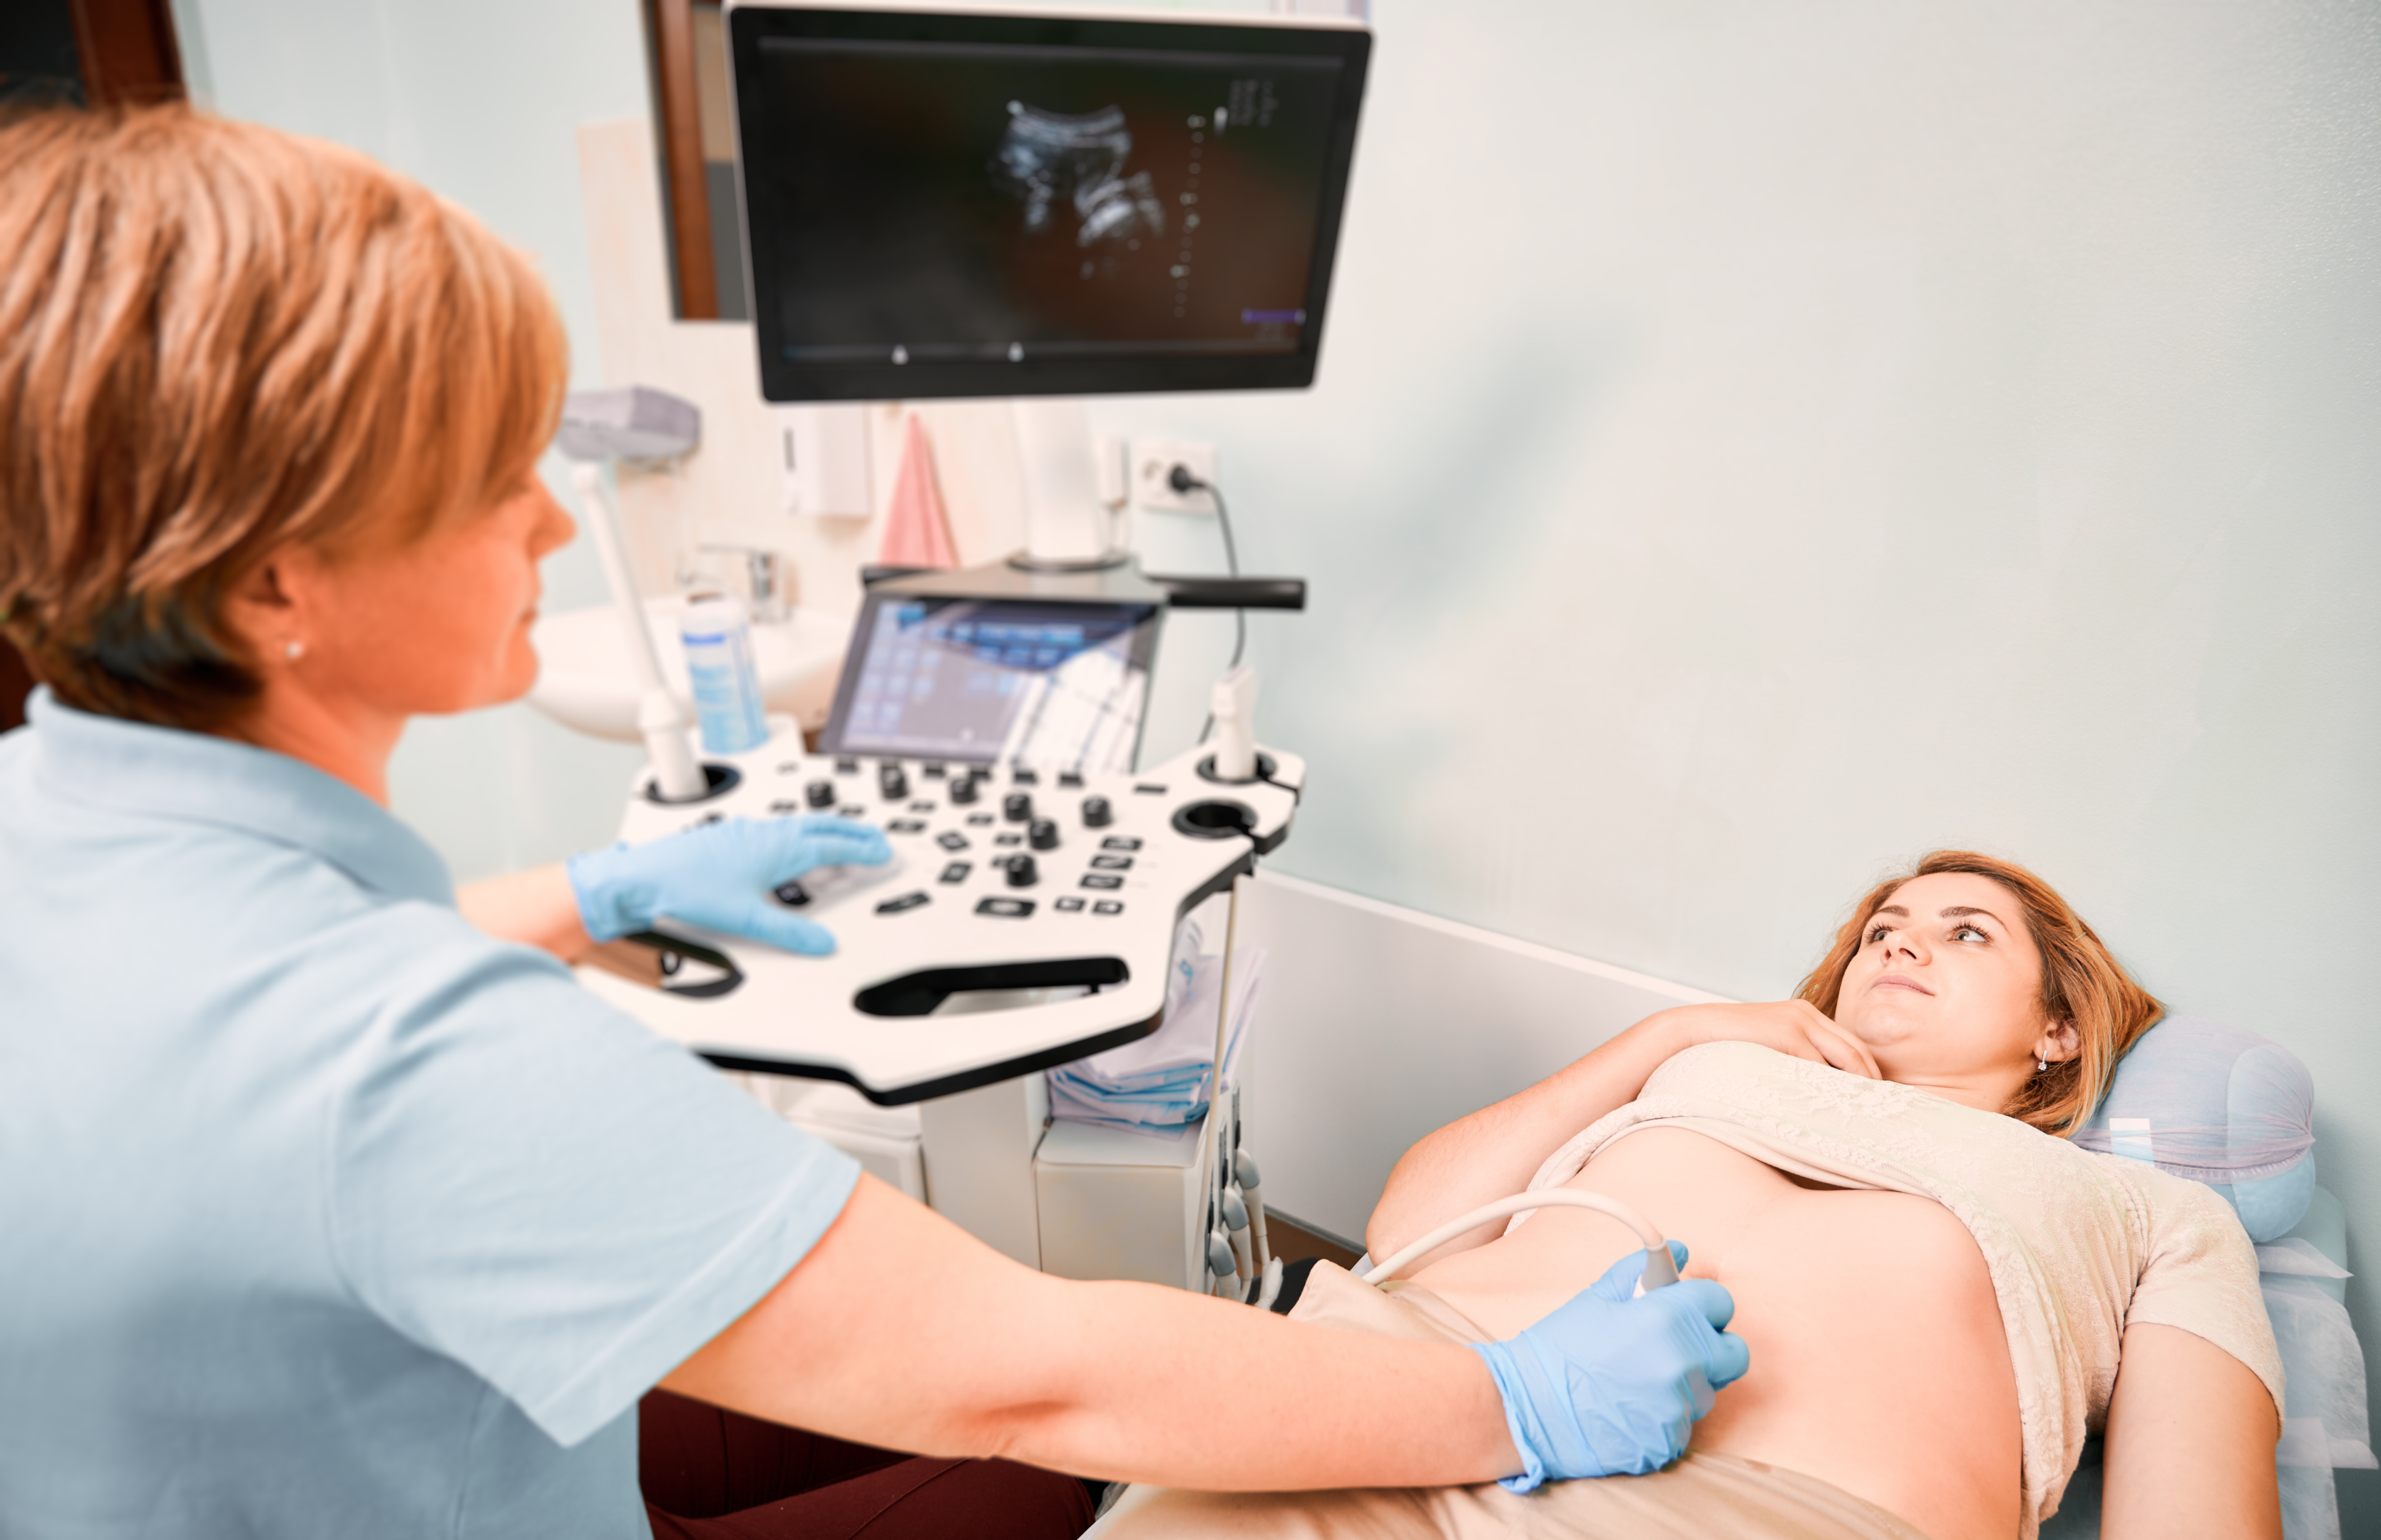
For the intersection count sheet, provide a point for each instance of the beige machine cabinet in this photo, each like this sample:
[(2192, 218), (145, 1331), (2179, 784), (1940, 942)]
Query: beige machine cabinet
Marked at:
[(1124, 1205)]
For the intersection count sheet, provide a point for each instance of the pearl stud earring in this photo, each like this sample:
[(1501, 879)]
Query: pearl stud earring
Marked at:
[(2041, 1065)]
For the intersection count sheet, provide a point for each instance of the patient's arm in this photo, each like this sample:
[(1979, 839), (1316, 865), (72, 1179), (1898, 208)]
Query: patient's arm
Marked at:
[(2190, 1443), (1494, 1152)]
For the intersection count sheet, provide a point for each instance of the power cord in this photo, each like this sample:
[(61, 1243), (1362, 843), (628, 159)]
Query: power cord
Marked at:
[(1184, 483)]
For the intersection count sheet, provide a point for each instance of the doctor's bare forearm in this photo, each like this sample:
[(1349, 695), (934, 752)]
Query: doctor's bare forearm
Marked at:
[(535, 908), (902, 1330), (1494, 1152)]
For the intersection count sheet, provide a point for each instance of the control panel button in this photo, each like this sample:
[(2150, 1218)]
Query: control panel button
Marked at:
[(1101, 879), (922, 806), (791, 895), (1097, 813), (893, 781), (1107, 906), (906, 901), (1068, 905), (1148, 789), (934, 770), (962, 789), (955, 871), (1004, 909), (1016, 807), (1042, 834), (782, 808), (1009, 839), (906, 826), (845, 765), (1022, 873), (951, 839), (818, 794), (1020, 775), (1071, 779), (1120, 842), (1112, 863), (852, 810), (978, 820)]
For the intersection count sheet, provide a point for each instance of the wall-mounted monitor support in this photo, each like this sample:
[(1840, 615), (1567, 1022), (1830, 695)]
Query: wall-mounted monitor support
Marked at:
[(1067, 528)]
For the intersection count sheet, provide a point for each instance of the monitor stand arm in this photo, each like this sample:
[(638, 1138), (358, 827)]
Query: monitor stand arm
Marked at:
[(1067, 528)]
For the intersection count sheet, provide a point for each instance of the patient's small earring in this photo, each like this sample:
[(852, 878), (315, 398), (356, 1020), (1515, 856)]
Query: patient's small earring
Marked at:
[(293, 650), (2041, 1065)]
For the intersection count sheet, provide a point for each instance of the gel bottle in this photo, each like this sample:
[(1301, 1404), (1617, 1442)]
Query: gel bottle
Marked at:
[(719, 665)]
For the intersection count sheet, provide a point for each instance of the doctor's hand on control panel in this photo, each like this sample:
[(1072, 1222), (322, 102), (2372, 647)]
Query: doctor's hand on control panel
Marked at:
[(722, 875)]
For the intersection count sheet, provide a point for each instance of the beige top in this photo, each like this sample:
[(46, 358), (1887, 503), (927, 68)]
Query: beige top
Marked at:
[(2079, 1245)]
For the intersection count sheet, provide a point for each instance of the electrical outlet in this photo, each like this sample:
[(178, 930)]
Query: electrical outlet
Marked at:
[(1154, 460)]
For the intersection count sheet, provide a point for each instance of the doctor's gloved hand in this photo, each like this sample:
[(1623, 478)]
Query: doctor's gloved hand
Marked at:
[(1608, 1385), (720, 877)]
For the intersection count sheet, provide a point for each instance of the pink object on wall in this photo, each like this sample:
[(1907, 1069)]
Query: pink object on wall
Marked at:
[(916, 532)]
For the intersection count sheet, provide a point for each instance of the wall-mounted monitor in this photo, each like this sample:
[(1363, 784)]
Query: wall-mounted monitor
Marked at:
[(980, 204)]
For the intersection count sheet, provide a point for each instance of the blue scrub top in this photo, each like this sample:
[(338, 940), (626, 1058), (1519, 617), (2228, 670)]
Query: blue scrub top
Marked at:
[(321, 1213)]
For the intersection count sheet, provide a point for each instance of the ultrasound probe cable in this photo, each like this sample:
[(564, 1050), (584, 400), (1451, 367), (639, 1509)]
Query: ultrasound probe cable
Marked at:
[(1659, 1271)]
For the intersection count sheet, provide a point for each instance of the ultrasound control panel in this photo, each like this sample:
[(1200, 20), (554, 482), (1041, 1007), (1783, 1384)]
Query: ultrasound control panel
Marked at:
[(1025, 919)]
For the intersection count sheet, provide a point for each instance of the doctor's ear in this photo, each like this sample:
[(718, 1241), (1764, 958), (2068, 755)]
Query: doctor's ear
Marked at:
[(267, 607)]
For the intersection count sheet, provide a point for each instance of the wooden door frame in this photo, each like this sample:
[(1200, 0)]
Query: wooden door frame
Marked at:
[(678, 128), (128, 51)]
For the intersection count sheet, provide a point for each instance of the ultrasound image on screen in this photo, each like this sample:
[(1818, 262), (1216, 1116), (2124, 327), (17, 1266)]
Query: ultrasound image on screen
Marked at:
[(1058, 687), (976, 202)]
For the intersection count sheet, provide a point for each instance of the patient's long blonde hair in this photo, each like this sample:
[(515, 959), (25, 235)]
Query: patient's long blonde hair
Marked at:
[(2083, 985)]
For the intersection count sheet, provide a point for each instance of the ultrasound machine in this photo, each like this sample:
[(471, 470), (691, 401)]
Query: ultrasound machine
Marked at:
[(1031, 207)]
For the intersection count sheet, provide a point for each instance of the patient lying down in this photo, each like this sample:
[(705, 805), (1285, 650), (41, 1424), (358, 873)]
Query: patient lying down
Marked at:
[(1937, 1289)]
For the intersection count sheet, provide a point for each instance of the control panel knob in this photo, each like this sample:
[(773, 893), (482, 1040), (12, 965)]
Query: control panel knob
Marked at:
[(1097, 814), (1016, 807), (818, 794), (892, 781), (1021, 871), (962, 789), (1042, 834)]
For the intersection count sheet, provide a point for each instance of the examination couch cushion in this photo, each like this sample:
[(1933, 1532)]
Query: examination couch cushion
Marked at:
[(2219, 1106)]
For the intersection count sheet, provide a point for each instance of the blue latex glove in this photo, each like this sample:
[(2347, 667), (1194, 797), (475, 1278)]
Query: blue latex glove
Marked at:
[(1609, 1385), (720, 877)]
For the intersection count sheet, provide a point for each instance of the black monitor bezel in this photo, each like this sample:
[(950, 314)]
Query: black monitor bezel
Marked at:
[(783, 379), (1144, 656)]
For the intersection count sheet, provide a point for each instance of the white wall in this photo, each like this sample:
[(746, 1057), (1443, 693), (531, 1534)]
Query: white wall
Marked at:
[(1755, 443)]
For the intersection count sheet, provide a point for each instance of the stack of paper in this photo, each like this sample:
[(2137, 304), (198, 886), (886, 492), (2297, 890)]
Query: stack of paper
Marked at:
[(1161, 1081)]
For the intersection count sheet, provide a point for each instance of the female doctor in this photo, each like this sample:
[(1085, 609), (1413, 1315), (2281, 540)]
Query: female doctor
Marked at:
[(329, 1209)]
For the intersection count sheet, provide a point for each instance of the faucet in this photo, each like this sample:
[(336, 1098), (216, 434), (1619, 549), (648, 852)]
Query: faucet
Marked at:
[(765, 575)]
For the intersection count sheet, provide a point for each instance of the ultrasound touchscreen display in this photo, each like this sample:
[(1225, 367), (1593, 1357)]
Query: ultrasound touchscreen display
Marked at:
[(929, 202), (1053, 685)]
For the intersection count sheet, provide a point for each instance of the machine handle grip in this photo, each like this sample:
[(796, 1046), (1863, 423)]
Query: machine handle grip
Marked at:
[(1198, 591)]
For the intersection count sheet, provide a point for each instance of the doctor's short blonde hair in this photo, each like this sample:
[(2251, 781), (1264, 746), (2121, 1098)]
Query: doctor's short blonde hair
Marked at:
[(2083, 984), (216, 340)]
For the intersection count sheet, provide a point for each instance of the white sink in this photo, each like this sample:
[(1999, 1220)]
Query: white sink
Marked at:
[(584, 680)]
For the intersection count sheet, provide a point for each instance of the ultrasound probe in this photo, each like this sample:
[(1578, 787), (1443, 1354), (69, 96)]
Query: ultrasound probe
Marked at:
[(1659, 1271)]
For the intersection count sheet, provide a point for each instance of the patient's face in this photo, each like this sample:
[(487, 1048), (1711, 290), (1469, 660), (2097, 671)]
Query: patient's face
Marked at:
[(1947, 987)]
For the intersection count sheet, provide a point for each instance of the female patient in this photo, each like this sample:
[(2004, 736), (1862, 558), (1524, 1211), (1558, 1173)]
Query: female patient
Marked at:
[(1935, 1284)]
